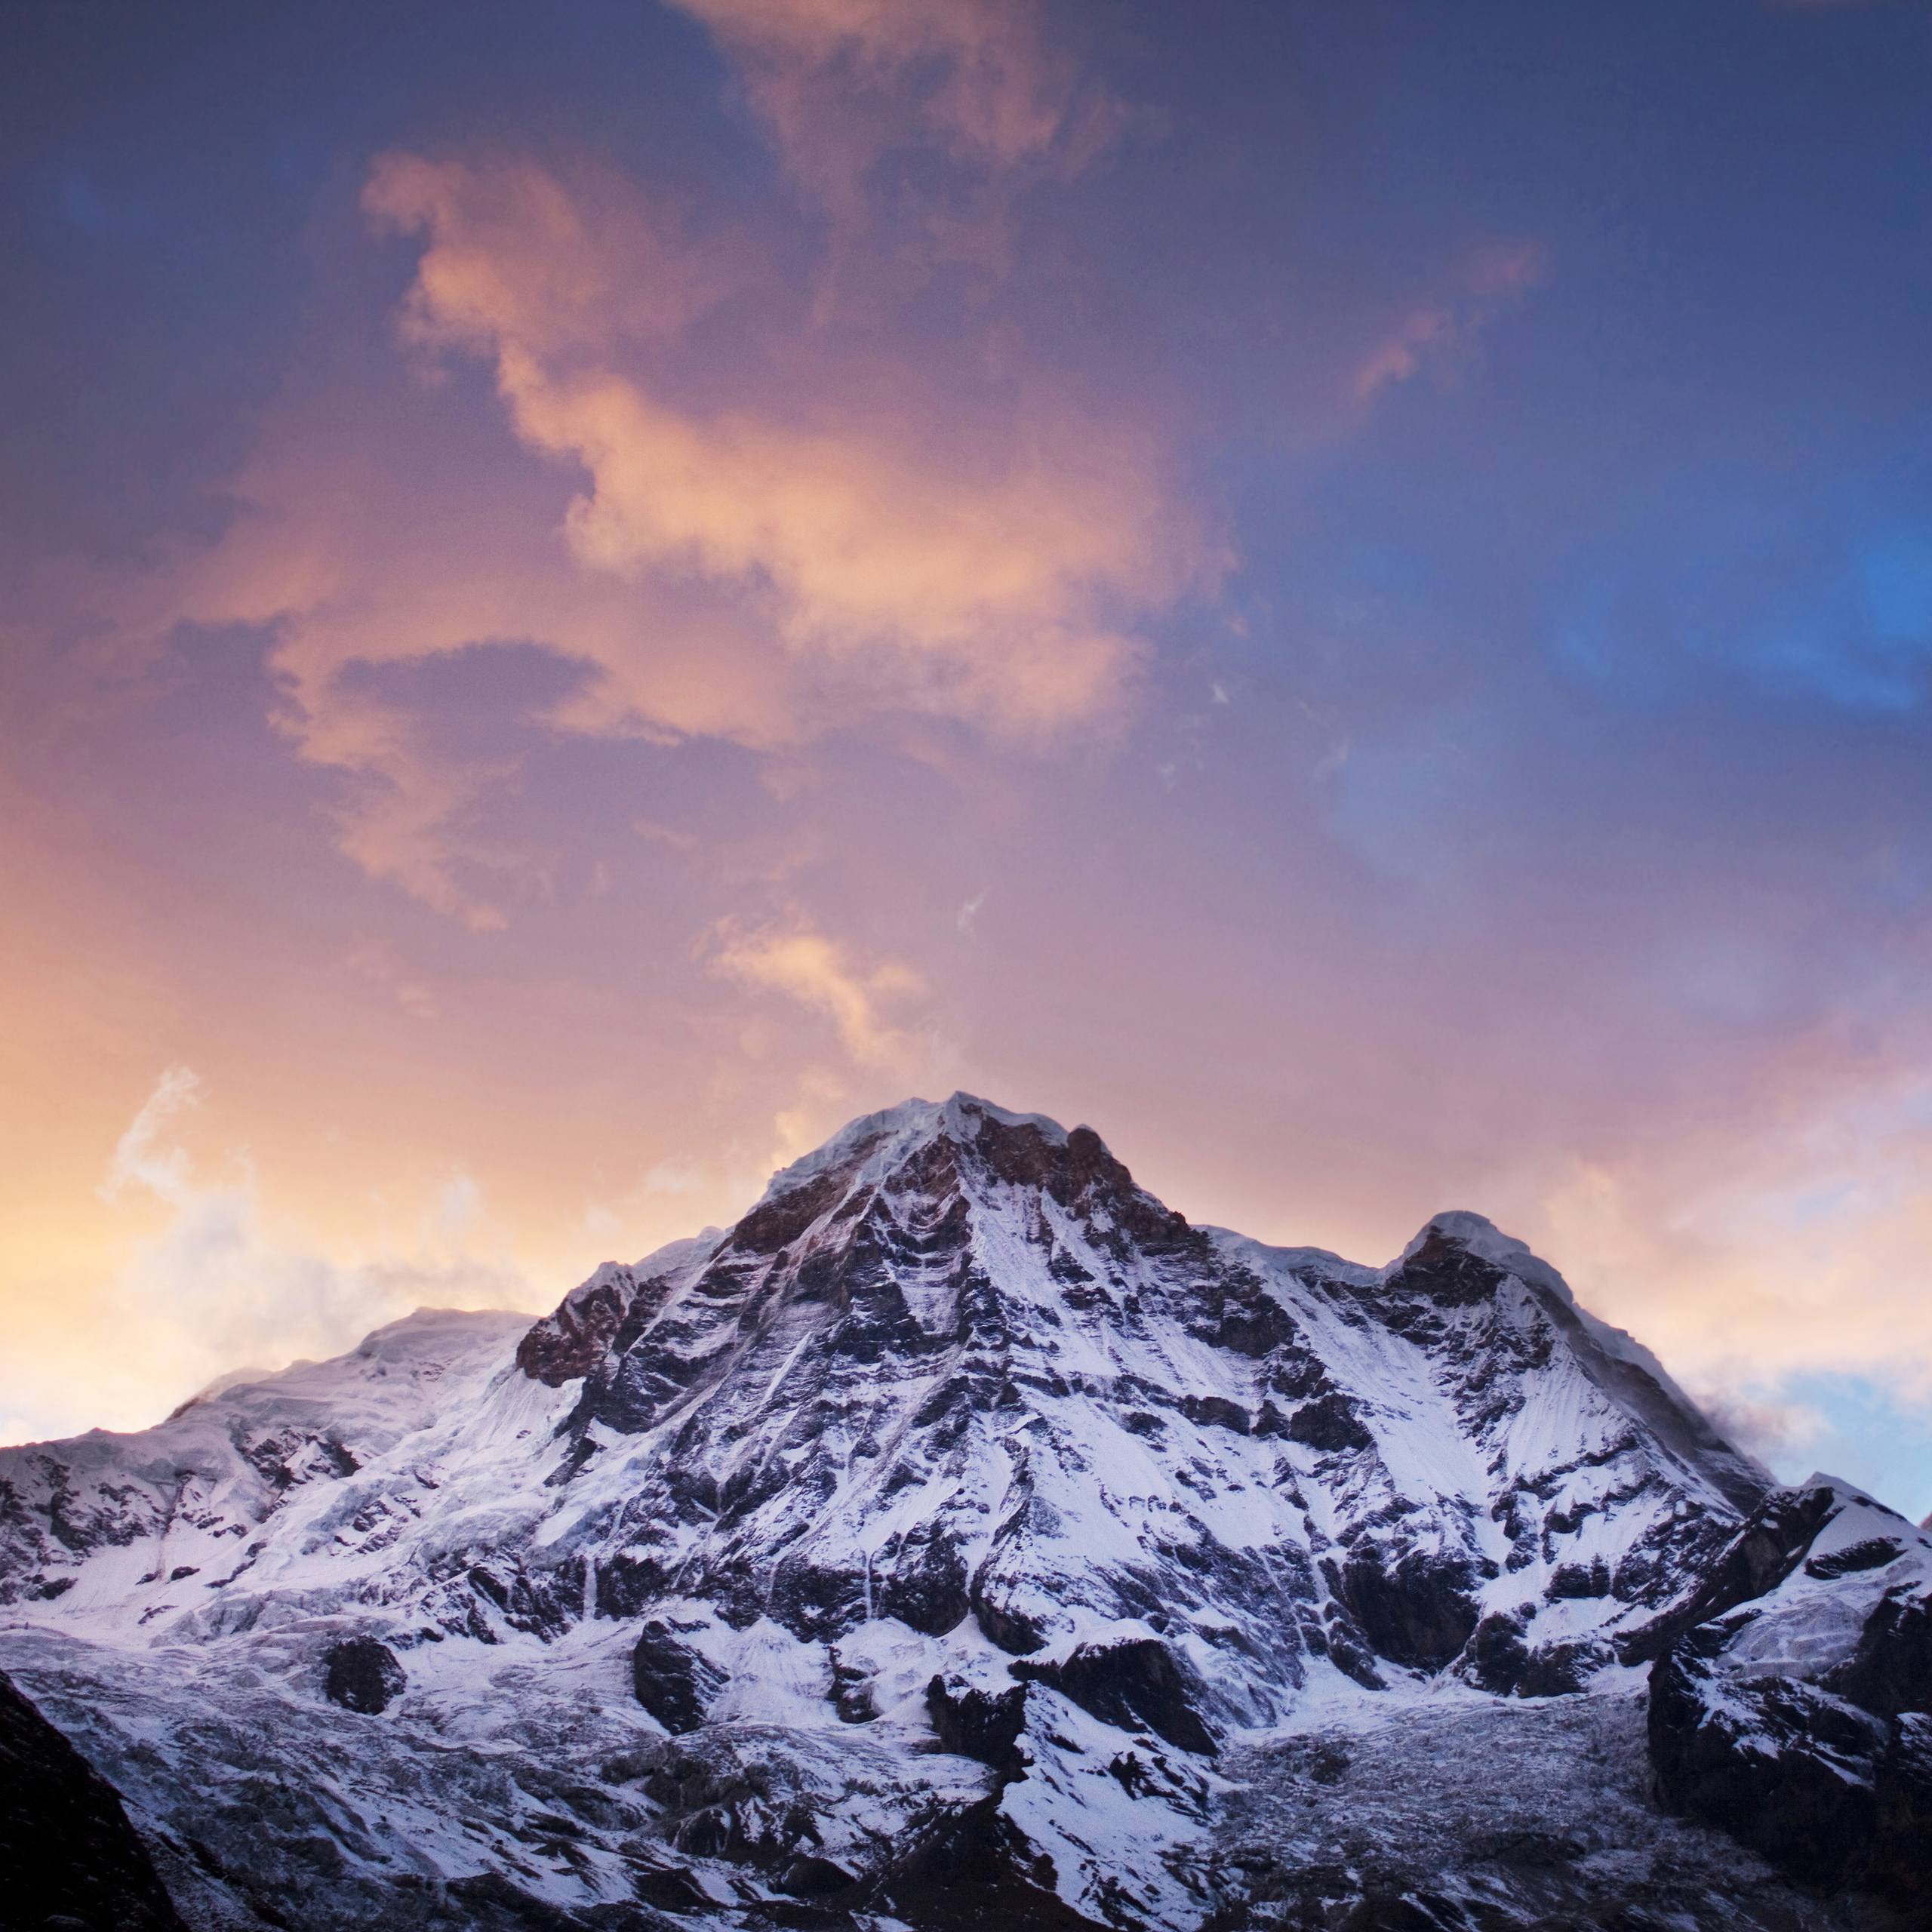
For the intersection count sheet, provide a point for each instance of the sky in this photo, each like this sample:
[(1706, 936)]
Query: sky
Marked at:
[(1342, 592)]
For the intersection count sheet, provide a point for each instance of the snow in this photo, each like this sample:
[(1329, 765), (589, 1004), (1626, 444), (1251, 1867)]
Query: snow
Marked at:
[(889, 1137), (947, 1367)]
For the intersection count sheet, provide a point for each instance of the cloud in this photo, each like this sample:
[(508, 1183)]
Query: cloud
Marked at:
[(143, 1158), (1439, 336), (458, 1209), (823, 976), (1778, 1432), (738, 553), (360, 573), (984, 597), (559, 258), (841, 83), (1755, 1259), (973, 581), (218, 1286)]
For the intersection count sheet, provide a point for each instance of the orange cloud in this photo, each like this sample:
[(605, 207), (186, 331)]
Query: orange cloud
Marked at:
[(740, 575), (968, 583), (816, 551), (824, 976), (1788, 1240), (364, 548), (987, 597)]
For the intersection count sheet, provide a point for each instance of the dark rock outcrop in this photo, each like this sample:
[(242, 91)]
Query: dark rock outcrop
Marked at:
[(573, 1341), (1136, 1685), (1898, 1861), (1495, 1656), (1419, 1610), (975, 1872), (1782, 1766), (1829, 1777), (363, 1674), (1445, 1270), (68, 1858), (979, 1723), (1562, 1670), (672, 1681), (1891, 1671), (1771, 1544), (1329, 1423)]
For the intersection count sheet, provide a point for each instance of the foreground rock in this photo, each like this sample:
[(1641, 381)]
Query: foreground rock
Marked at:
[(69, 1860)]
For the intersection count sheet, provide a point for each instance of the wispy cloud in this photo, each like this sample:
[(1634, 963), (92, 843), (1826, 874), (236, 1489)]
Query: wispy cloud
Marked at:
[(1752, 1258), (145, 1157), (830, 554), (219, 1285), (1438, 335), (841, 83), (555, 258), (860, 997)]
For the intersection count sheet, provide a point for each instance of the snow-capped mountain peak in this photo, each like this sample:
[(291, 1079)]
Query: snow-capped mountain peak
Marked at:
[(960, 1481)]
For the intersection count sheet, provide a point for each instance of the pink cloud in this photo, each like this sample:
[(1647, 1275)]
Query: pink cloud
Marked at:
[(859, 997), (1440, 334), (822, 553), (841, 82), (558, 262), (976, 576)]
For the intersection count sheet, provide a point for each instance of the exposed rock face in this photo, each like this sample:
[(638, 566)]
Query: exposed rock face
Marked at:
[(945, 1541), (979, 1723), (1771, 1544), (362, 1675), (1133, 1684), (676, 1684), (1796, 1717), (68, 1858), (1785, 1767)]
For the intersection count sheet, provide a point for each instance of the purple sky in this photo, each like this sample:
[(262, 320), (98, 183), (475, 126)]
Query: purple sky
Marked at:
[(1344, 593)]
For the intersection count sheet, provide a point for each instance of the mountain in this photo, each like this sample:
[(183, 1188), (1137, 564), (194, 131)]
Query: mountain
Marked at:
[(965, 1539)]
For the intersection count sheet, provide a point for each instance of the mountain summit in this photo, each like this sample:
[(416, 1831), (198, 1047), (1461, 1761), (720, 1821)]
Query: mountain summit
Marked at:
[(964, 1538)]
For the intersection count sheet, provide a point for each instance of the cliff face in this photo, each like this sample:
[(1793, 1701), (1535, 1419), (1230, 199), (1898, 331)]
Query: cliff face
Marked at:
[(69, 1856), (962, 1532), (1791, 1708)]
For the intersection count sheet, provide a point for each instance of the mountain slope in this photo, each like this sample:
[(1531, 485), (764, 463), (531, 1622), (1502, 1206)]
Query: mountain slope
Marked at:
[(947, 1541)]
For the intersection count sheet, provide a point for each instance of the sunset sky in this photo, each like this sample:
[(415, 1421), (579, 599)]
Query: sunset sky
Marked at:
[(1341, 591)]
